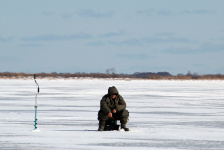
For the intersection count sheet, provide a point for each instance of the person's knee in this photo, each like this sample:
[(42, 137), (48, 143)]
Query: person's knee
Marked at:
[(124, 120), (102, 116), (125, 114)]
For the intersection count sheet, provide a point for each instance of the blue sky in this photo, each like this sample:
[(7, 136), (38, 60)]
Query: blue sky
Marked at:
[(130, 36)]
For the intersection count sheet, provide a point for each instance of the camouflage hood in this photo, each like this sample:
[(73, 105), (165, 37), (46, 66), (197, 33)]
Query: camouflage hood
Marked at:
[(112, 90)]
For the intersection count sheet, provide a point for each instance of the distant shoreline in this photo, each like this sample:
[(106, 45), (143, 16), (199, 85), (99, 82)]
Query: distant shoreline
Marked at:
[(139, 76)]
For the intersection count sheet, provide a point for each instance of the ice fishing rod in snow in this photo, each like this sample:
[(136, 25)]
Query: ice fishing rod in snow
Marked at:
[(38, 89), (35, 106)]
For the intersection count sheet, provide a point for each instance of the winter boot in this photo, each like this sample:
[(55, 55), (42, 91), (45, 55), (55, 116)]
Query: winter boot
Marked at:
[(123, 124), (101, 125)]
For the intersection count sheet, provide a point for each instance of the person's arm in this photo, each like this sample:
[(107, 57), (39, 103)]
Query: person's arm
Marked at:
[(121, 104), (103, 105)]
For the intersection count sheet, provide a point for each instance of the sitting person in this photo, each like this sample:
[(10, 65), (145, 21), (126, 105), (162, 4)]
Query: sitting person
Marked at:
[(112, 105)]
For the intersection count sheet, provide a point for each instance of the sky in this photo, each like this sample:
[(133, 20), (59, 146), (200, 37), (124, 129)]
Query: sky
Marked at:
[(128, 36)]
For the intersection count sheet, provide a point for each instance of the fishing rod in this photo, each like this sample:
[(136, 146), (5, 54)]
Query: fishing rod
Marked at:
[(35, 106), (38, 89)]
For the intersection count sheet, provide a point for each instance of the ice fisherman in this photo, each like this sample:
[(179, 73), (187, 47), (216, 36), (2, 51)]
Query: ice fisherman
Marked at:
[(113, 106)]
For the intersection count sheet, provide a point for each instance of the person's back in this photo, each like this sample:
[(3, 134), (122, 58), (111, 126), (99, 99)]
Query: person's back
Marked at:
[(112, 105)]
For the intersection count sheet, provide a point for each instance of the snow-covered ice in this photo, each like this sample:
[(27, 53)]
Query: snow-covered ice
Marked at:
[(164, 115)]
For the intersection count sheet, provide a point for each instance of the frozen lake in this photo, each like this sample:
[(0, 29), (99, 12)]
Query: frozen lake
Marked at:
[(164, 115)]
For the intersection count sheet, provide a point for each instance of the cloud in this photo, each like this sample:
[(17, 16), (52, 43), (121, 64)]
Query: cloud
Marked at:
[(5, 39), (165, 34), (30, 45), (167, 12), (164, 12), (153, 12), (112, 34), (95, 14), (208, 47), (129, 42), (133, 56), (52, 37), (146, 12), (5, 59), (199, 11), (166, 40), (141, 41), (205, 48)]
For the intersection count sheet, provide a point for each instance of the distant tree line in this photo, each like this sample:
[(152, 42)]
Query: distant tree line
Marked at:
[(136, 75)]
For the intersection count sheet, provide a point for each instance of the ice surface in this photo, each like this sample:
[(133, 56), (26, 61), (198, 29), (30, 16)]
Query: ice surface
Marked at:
[(164, 115)]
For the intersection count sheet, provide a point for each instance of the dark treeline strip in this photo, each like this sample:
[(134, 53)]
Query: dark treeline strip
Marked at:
[(137, 75)]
